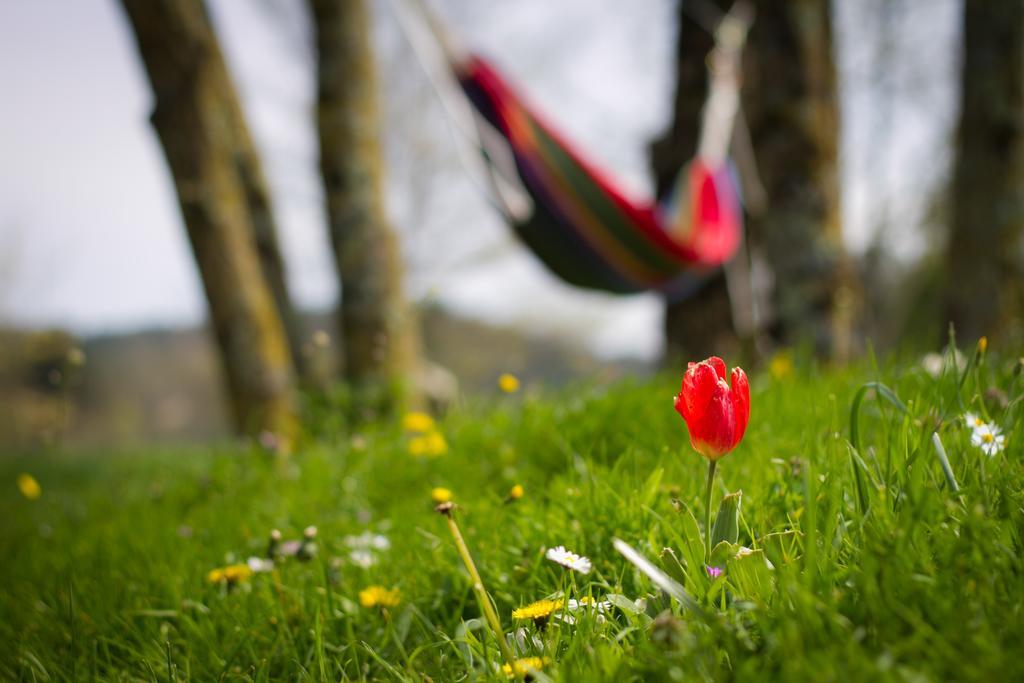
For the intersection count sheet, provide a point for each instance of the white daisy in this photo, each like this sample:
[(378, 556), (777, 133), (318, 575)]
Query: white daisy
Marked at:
[(932, 363), (989, 439), (260, 565), (973, 421), (597, 608), (589, 604), (569, 559), (362, 558), (368, 541)]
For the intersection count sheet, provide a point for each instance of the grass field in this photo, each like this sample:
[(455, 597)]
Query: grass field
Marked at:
[(897, 577)]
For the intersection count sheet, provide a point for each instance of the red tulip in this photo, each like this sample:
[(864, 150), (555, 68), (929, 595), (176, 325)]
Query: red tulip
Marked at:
[(715, 414)]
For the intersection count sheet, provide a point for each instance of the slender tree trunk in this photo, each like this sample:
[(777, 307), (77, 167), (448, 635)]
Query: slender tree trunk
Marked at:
[(700, 325), (377, 331), (985, 290), (178, 47)]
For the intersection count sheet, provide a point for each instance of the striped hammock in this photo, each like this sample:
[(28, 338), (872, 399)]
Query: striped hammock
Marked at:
[(585, 230)]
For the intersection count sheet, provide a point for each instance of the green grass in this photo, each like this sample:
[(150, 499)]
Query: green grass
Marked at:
[(103, 577)]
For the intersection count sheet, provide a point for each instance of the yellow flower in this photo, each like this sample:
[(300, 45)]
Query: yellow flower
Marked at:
[(523, 667), (436, 444), (29, 487), (516, 493), (379, 596), (508, 383), (538, 611), (441, 495), (982, 345), (781, 365), (417, 422), (232, 574), (431, 444)]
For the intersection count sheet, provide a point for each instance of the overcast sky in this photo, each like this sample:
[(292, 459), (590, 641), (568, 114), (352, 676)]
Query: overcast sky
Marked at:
[(90, 233)]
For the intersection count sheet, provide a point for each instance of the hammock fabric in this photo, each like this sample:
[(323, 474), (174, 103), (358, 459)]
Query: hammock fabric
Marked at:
[(584, 229)]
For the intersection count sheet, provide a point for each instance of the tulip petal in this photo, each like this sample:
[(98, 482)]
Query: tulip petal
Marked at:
[(712, 434), (699, 384), (718, 364), (740, 395)]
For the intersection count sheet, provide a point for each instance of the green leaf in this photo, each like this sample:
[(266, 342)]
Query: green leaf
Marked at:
[(623, 603), (722, 553), (781, 547), (751, 573), (727, 522), (674, 567)]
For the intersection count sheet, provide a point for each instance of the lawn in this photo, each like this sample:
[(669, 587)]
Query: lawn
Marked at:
[(879, 569)]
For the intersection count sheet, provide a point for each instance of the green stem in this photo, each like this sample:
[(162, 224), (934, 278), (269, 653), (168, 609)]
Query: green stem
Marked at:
[(481, 592), (712, 464)]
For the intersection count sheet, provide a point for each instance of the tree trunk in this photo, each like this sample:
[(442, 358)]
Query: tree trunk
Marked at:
[(792, 108), (701, 324), (179, 49), (790, 102), (377, 333), (985, 290)]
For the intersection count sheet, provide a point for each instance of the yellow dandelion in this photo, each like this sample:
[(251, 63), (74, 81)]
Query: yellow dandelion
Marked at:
[(525, 666), (29, 487), (781, 365), (508, 383), (430, 445), (515, 493), (417, 422), (540, 610), (418, 446), (440, 494), (379, 596), (983, 345), (436, 444), (232, 574)]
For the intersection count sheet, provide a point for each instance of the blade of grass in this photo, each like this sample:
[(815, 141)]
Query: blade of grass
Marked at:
[(940, 453)]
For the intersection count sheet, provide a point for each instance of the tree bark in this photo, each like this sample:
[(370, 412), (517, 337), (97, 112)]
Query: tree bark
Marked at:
[(196, 130), (377, 333), (985, 288), (791, 106)]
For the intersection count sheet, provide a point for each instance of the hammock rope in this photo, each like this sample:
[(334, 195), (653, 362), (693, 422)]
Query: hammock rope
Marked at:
[(568, 211)]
